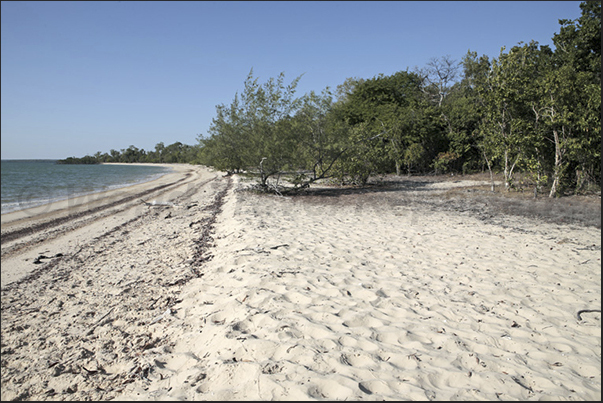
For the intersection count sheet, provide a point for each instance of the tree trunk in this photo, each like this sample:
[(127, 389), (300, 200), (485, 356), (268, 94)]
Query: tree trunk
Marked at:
[(490, 170), (263, 177), (506, 172), (397, 157), (558, 161)]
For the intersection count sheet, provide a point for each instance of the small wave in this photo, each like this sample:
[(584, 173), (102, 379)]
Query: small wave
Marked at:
[(10, 207)]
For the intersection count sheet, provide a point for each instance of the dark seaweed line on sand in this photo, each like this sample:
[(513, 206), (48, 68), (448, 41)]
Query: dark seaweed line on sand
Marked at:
[(205, 240), (58, 221)]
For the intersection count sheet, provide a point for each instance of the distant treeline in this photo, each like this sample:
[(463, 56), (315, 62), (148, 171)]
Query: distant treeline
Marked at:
[(174, 153), (532, 111)]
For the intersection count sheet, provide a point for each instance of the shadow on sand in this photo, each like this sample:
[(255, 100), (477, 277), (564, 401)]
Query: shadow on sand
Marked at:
[(456, 196)]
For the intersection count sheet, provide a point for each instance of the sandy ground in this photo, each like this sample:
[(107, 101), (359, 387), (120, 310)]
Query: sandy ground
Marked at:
[(352, 295)]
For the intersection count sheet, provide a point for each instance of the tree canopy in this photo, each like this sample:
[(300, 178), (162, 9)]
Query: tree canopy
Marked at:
[(532, 110)]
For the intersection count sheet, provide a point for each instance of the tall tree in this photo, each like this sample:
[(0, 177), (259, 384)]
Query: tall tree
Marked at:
[(507, 122), (254, 131), (321, 137), (578, 42), (574, 96), (439, 75), (390, 109)]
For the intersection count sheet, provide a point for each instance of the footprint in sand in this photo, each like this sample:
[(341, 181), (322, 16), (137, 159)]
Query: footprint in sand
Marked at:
[(357, 359), (365, 321), (375, 386)]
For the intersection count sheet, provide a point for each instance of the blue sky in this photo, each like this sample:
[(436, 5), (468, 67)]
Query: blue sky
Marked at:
[(82, 76)]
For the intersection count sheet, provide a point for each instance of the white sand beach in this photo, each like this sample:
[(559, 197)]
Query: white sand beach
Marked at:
[(214, 293)]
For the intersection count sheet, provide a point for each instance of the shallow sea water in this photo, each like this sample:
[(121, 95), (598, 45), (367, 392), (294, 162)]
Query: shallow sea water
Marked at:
[(30, 183)]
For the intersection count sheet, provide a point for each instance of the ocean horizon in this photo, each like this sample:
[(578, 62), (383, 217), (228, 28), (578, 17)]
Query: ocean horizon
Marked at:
[(29, 183)]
